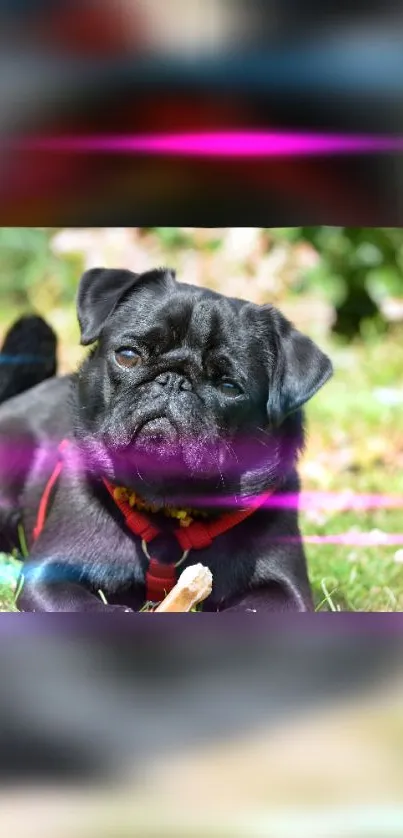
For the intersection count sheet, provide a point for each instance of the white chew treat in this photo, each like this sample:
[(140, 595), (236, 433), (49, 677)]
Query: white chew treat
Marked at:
[(193, 586), (197, 579)]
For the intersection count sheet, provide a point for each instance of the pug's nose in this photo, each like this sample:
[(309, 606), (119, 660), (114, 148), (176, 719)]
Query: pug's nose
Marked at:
[(174, 381)]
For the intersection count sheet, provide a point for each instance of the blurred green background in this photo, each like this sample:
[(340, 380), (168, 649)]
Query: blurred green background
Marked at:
[(343, 286)]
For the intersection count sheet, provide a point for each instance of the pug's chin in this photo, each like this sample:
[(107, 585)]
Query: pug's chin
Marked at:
[(158, 435), (156, 451), (162, 470)]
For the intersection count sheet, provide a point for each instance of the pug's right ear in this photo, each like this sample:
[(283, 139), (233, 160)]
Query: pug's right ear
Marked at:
[(100, 292)]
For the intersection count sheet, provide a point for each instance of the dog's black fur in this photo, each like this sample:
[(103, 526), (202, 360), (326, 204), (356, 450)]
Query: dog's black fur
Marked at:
[(28, 356), (204, 402)]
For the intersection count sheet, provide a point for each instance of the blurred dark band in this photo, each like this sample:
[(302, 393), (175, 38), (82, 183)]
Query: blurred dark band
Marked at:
[(91, 700), (130, 68)]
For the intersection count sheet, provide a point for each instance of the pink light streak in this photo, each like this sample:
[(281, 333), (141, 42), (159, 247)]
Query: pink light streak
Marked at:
[(336, 501), (355, 539), (248, 144)]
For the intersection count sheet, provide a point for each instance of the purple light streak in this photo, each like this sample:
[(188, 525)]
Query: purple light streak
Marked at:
[(18, 456), (218, 144), (13, 454)]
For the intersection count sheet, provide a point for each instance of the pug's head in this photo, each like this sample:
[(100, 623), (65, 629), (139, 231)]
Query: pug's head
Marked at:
[(187, 391)]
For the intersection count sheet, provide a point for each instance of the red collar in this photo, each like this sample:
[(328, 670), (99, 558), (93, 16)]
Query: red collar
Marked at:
[(160, 578)]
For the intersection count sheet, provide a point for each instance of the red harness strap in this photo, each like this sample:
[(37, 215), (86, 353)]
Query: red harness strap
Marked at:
[(200, 534), (197, 536), (160, 578), (43, 506)]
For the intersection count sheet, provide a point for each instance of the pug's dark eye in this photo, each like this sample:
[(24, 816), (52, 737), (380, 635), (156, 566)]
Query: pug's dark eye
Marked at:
[(127, 358), (229, 388)]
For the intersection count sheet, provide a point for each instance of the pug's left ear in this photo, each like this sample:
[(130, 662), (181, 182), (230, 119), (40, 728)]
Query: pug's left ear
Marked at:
[(301, 370), (103, 289)]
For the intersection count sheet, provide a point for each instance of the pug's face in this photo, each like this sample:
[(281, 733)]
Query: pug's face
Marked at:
[(186, 389)]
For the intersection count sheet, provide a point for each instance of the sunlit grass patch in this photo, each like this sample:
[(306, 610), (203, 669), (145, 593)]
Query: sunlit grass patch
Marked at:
[(9, 574)]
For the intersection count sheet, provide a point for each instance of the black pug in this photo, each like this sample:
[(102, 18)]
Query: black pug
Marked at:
[(184, 420)]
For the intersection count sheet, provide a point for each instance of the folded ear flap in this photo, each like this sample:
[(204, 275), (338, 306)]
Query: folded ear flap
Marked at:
[(301, 370), (100, 292)]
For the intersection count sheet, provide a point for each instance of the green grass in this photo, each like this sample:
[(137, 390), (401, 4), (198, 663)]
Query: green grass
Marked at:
[(354, 442), (9, 573), (358, 443)]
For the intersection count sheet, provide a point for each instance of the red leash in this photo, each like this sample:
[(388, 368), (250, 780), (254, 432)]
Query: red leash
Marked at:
[(160, 578)]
